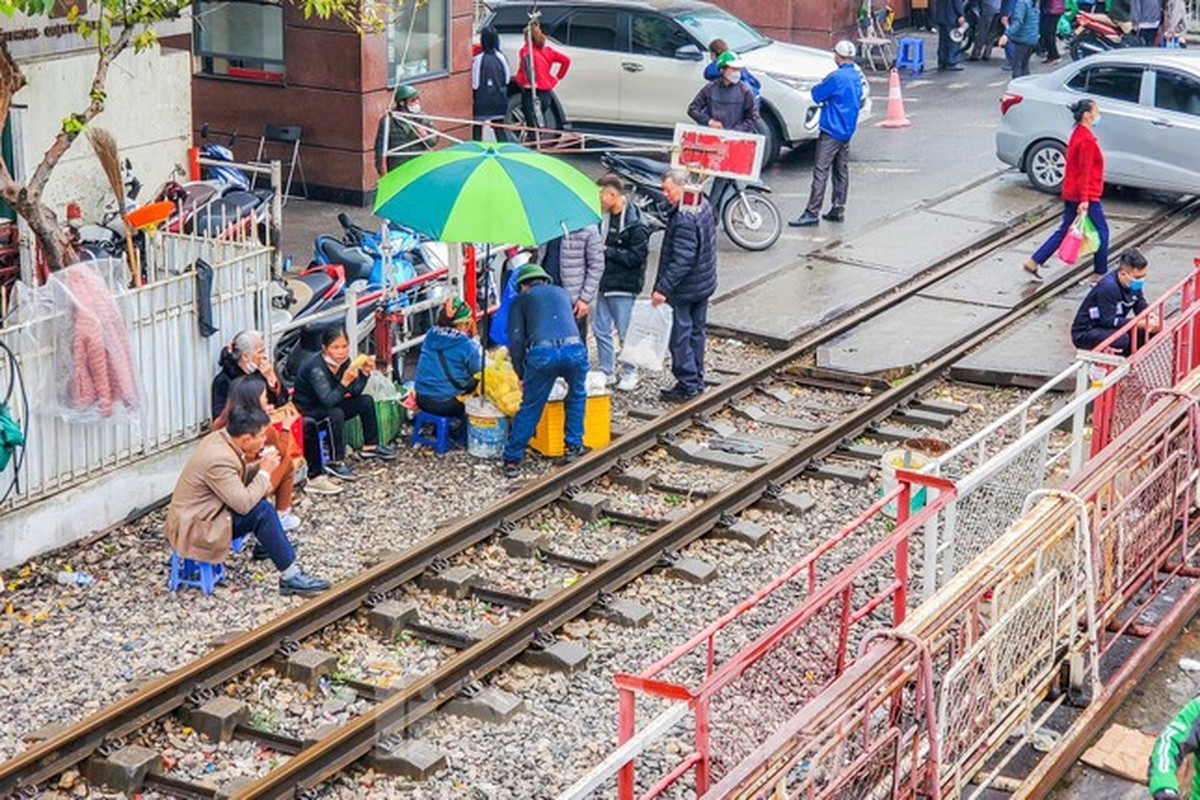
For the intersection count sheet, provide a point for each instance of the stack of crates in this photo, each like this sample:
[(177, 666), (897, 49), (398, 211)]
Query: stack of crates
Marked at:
[(597, 426)]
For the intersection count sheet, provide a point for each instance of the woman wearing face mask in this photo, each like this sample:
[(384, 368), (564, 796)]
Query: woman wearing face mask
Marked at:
[(1083, 183), (247, 355), (329, 386)]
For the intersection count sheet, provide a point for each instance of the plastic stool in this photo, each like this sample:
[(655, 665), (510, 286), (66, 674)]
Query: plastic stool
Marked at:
[(202, 575), (441, 425), (911, 55)]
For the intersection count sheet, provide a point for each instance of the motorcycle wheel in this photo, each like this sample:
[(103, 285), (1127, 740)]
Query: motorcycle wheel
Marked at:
[(752, 221)]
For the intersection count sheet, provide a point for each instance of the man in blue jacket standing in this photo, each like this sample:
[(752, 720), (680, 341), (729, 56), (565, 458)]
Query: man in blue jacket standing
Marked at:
[(687, 277), (840, 96), (948, 14), (545, 345)]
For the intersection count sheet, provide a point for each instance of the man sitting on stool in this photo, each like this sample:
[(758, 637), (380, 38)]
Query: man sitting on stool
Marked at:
[(1111, 303), (544, 344), (221, 494)]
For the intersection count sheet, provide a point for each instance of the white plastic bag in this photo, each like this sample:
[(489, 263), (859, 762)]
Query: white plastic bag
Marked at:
[(380, 388), (649, 336), (559, 390)]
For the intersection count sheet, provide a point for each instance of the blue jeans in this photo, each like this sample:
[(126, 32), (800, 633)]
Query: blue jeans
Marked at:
[(1070, 212), (544, 364), (687, 345), (611, 310), (263, 522)]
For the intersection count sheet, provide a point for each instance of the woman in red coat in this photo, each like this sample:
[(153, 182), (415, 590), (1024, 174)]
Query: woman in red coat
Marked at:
[(1083, 183), (539, 60)]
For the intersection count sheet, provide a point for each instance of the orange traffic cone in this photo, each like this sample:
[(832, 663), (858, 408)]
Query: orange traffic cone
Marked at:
[(895, 108)]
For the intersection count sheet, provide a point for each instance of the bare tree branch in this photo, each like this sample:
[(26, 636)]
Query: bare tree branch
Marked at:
[(62, 142), (11, 79)]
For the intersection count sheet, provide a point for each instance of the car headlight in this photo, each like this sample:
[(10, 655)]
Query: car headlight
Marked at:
[(792, 82)]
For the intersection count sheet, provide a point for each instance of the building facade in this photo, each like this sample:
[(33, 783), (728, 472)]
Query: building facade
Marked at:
[(260, 62)]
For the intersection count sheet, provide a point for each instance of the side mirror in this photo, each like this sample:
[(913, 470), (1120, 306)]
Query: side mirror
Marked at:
[(689, 52)]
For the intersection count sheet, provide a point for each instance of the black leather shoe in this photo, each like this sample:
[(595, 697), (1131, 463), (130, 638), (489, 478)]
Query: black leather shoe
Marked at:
[(574, 454), (805, 220), (834, 215), (511, 469)]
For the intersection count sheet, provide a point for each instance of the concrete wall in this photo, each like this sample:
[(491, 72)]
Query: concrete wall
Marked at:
[(148, 111)]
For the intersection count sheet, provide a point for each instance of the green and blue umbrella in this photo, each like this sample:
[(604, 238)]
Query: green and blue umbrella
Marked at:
[(496, 193)]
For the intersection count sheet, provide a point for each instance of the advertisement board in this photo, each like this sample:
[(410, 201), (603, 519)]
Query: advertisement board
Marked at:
[(717, 152)]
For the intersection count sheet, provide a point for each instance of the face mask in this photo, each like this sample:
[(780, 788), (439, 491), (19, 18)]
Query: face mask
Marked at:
[(414, 108), (1095, 121), (1137, 284), (733, 77), (250, 367)]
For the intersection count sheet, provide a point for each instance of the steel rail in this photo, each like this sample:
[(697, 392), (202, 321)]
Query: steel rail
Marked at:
[(388, 720), (171, 692)]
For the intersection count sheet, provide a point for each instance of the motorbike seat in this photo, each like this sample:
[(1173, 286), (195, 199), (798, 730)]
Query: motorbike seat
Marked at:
[(242, 201), (214, 218), (310, 289), (646, 166), (358, 265)]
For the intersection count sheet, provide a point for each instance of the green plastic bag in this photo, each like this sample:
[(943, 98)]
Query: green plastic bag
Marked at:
[(10, 436), (1091, 238)]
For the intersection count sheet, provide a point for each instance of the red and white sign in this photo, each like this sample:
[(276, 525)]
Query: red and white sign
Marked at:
[(717, 152)]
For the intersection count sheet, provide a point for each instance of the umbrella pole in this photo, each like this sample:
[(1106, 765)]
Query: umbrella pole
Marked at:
[(483, 337)]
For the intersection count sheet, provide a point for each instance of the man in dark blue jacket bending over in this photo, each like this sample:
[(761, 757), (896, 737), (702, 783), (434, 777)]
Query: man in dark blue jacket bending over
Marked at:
[(687, 277), (544, 343), (1115, 300), (840, 97)]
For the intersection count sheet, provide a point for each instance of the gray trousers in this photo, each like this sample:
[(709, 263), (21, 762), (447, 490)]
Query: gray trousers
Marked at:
[(835, 154)]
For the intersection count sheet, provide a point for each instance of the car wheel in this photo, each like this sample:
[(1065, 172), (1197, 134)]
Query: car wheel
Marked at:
[(516, 116), (769, 128), (1046, 164)]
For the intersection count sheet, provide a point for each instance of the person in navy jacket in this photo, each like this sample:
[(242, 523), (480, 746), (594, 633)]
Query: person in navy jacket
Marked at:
[(840, 96), (1111, 304), (450, 358)]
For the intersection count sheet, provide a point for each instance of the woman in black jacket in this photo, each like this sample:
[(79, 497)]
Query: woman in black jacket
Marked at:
[(330, 387), (626, 245)]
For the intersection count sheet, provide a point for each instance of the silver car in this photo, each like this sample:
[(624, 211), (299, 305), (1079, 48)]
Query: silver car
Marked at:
[(1149, 129)]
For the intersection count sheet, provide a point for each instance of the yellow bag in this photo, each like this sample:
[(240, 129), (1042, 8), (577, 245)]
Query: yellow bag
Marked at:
[(501, 384)]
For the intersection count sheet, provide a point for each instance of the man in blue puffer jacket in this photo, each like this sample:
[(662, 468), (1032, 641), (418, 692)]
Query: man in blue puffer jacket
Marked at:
[(687, 277)]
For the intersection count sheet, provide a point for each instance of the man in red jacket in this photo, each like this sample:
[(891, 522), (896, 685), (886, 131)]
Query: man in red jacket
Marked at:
[(1083, 183)]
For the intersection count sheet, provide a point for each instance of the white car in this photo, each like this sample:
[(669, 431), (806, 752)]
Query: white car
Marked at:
[(1149, 127), (637, 64)]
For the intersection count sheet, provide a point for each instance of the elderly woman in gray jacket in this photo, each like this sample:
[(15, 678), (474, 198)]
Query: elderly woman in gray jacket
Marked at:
[(576, 263)]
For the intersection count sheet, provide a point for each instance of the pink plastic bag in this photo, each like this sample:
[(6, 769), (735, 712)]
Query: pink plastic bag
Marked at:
[(1072, 243)]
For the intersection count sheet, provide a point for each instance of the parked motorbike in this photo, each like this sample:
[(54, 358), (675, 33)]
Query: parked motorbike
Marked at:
[(106, 239), (750, 219), (1097, 33)]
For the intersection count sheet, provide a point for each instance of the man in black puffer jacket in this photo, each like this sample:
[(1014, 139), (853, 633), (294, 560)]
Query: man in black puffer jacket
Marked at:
[(687, 277)]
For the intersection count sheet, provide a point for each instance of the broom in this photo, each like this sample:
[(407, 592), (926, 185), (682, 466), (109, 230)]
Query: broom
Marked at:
[(106, 151)]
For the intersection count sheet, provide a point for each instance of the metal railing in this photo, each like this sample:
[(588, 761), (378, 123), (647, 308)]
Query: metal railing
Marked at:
[(173, 363), (996, 637)]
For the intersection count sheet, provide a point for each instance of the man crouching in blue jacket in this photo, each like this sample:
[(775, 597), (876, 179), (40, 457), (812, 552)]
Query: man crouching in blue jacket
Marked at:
[(687, 277), (450, 358), (544, 344)]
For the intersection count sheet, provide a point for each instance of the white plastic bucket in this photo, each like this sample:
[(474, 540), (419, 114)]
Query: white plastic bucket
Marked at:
[(487, 429), (901, 459)]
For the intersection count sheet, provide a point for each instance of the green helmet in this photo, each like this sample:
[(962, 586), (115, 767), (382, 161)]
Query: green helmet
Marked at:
[(405, 92), (531, 272)]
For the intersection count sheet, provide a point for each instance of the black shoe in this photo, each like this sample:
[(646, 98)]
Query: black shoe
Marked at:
[(805, 220), (302, 584), (340, 471), (676, 394), (380, 451), (574, 454), (954, 68), (834, 215), (511, 469)]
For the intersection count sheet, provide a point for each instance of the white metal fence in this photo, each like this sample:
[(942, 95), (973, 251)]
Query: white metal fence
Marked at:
[(174, 365)]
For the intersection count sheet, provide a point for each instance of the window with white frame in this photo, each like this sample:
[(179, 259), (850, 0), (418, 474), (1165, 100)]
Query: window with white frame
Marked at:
[(239, 39), (418, 40)]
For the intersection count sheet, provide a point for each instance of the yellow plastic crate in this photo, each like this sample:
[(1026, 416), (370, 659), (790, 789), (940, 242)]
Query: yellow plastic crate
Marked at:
[(597, 426)]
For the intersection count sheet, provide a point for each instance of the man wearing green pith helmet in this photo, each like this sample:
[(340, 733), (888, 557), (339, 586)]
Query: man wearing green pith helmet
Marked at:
[(400, 132), (1180, 739)]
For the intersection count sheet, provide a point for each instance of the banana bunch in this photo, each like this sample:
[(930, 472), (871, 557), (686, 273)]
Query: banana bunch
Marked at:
[(500, 382)]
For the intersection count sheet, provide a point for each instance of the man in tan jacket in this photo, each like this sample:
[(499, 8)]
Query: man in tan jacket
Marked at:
[(221, 495)]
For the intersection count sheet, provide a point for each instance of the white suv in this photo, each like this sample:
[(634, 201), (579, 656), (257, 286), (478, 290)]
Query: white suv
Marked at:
[(637, 64)]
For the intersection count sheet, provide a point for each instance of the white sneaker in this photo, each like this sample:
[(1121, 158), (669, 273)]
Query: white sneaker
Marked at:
[(322, 484), (610, 380), (628, 382), (289, 520)]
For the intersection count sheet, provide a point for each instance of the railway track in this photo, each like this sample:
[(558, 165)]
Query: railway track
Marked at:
[(818, 443)]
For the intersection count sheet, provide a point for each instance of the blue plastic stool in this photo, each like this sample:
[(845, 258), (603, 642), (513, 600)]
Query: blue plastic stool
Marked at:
[(441, 425), (202, 575), (912, 55)]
